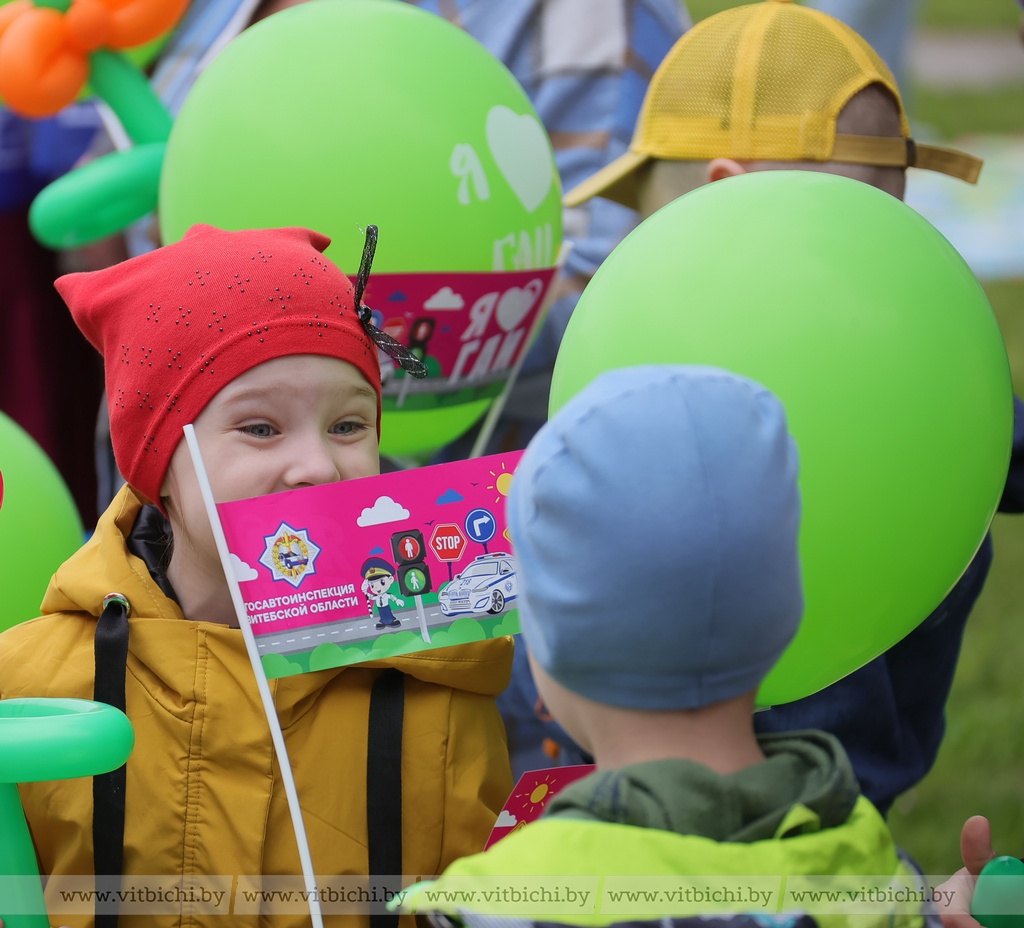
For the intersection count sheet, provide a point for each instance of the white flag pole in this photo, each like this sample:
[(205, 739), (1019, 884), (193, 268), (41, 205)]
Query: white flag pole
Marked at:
[(269, 708)]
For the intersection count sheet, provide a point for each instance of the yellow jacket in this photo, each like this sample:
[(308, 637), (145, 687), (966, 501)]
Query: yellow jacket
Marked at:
[(204, 793)]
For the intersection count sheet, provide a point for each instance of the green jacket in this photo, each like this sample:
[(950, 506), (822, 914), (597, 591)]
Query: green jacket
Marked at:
[(672, 839)]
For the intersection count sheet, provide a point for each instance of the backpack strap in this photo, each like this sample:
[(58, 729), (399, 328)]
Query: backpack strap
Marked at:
[(384, 788), (108, 789)]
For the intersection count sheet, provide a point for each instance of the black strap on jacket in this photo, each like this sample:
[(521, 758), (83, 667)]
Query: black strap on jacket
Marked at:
[(108, 789), (383, 769), (384, 789)]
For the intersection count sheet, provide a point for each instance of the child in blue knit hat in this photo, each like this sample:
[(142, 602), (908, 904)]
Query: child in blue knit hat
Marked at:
[(655, 521)]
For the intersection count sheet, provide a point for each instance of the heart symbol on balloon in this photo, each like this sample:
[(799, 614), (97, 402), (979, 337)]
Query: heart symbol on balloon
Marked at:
[(515, 303), (520, 147)]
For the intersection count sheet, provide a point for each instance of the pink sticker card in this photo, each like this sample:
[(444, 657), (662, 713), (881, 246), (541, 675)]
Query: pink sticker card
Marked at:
[(531, 794), (375, 567), (470, 329)]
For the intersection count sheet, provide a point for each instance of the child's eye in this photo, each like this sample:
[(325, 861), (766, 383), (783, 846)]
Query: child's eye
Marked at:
[(348, 428), (258, 430)]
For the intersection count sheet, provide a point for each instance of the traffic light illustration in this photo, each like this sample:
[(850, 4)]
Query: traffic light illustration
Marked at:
[(409, 550)]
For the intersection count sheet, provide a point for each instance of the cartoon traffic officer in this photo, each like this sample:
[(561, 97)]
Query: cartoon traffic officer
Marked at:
[(378, 575)]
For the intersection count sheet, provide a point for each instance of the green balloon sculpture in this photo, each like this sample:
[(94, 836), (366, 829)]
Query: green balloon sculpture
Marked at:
[(338, 115), (45, 61), (38, 519), (47, 739), (880, 342), (998, 900)]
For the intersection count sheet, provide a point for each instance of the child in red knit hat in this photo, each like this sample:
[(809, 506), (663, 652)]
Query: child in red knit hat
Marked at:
[(264, 345)]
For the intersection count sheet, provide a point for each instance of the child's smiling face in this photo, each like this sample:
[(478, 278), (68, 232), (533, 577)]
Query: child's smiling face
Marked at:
[(292, 422)]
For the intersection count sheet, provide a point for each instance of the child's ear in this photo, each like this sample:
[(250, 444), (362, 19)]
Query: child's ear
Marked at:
[(719, 168)]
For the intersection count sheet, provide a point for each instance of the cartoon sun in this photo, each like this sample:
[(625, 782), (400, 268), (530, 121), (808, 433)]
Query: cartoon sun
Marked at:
[(536, 797), (502, 482)]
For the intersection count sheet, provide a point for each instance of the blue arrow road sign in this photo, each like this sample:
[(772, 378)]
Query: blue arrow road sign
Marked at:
[(481, 526)]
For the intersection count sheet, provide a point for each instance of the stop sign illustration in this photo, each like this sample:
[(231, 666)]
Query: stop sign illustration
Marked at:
[(447, 541)]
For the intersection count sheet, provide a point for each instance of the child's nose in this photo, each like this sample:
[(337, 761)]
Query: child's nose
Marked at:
[(312, 463)]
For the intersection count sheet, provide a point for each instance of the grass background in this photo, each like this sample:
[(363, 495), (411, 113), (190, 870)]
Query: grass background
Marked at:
[(980, 768)]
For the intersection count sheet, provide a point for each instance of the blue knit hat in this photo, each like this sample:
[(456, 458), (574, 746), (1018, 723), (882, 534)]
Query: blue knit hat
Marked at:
[(655, 521)]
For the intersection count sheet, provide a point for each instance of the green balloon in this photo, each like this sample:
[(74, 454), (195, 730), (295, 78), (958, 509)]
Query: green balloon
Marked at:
[(47, 739), (880, 342), (998, 900), (38, 521), (98, 199), (124, 88), (335, 115), (57, 739)]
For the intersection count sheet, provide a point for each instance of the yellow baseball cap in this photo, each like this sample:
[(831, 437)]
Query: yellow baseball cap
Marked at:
[(764, 82)]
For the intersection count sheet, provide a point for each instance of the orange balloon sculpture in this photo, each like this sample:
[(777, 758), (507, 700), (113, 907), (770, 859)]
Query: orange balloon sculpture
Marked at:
[(44, 52)]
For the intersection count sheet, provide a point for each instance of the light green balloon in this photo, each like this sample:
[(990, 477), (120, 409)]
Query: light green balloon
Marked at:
[(336, 114), (39, 523), (882, 346)]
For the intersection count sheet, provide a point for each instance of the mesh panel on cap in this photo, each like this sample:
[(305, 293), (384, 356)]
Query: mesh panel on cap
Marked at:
[(764, 81)]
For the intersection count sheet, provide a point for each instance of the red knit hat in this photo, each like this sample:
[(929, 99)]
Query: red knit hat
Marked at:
[(176, 325)]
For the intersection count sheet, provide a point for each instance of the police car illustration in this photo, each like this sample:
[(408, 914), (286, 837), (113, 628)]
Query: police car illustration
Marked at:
[(488, 585), (292, 559)]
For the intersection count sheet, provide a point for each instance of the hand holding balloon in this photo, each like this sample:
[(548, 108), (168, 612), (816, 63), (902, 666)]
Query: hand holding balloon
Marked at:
[(988, 890)]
